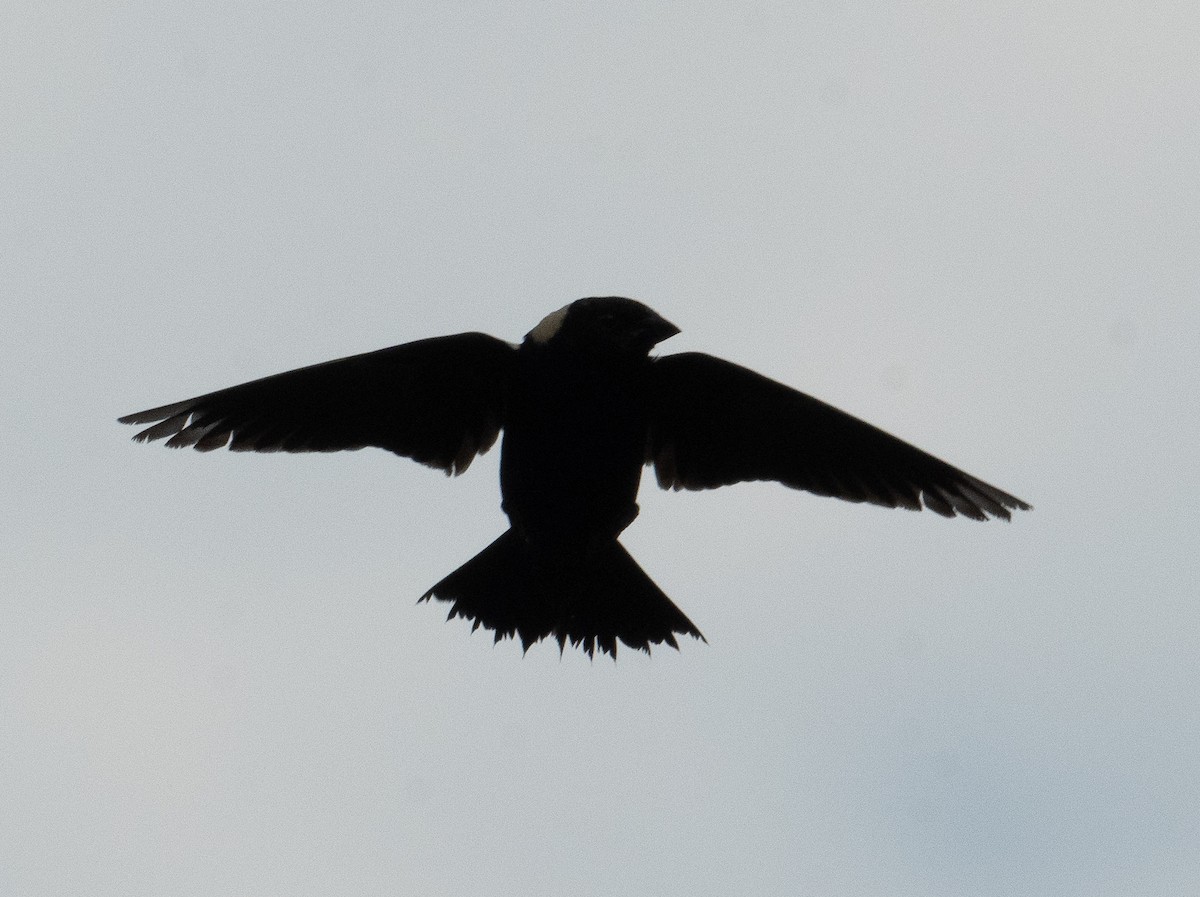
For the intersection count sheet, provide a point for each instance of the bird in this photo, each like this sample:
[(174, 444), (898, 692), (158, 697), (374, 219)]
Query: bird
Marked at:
[(583, 406)]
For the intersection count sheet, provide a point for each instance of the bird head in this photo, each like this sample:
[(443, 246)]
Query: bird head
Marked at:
[(610, 322)]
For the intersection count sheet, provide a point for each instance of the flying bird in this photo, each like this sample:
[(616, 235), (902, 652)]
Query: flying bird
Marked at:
[(583, 406)]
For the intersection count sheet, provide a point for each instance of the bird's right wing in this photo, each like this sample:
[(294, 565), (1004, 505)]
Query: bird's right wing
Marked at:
[(438, 401), (714, 423)]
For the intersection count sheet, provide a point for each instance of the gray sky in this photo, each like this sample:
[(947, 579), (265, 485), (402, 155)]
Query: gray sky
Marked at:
[(975, 228)]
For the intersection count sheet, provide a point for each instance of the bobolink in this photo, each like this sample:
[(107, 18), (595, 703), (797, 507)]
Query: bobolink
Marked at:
[(583, 407)]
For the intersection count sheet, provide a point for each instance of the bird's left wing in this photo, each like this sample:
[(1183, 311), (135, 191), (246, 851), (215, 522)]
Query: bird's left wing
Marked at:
[(713, 423), (438, 401)]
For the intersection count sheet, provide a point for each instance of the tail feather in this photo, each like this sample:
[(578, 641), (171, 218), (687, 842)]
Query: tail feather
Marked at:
[(605, 598)]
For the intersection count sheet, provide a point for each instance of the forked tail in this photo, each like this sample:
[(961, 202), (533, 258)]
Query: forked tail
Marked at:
[(606, 597)]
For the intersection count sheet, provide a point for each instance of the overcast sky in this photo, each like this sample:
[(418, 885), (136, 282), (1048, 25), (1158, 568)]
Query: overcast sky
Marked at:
[(976, 227)]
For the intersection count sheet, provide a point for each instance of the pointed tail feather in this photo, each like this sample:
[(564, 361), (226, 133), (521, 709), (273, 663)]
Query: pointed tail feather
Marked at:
[(605, 597)]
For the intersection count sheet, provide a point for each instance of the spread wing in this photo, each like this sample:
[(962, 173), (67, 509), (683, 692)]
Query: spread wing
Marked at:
[(439, 401), (713, 423)]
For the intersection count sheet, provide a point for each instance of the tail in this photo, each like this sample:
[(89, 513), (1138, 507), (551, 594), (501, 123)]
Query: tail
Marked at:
[(605, 597)]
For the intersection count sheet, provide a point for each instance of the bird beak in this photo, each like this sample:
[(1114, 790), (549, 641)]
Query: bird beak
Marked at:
[(654, 331)]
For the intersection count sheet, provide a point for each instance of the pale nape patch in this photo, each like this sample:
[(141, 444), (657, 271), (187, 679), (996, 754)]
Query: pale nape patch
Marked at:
[(549, 325)]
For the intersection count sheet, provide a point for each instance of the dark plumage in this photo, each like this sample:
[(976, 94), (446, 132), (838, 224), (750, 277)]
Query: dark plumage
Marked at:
[(583, 407)]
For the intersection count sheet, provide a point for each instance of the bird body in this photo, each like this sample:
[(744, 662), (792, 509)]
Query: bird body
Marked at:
[(575, 439), (583, 406)]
